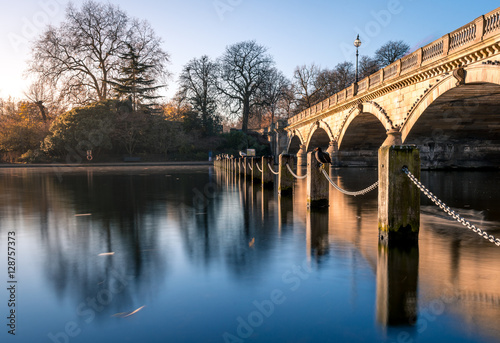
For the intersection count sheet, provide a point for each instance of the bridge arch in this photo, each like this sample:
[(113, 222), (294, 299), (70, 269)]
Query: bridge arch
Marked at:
[(455, 123), (474, 76), (295, 140), (368, 117), (320, 134)]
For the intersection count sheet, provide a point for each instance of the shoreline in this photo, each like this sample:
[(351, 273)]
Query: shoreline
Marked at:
[(104, 164)]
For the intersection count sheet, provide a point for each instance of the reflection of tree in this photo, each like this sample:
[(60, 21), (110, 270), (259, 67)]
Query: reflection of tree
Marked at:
[(124, 220), (221, 231)]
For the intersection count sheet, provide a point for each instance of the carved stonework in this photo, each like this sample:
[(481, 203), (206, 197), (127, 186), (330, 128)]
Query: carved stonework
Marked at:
[(360, 108), (459, 74)]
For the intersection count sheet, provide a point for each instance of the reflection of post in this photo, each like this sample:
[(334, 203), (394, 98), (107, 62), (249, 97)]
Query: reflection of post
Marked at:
[(317, 232), (285, 211), (397, 279), (285, 179), (266, 196)]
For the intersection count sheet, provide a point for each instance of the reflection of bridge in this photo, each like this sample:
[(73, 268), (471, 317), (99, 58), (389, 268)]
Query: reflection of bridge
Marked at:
[(444, 97), (415, 284)]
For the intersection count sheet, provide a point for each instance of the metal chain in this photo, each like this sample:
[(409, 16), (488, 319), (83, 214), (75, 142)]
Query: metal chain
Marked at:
[(271, 169), (249, 166), (295, 175), (448, 210), (361, 192), (257, 165)]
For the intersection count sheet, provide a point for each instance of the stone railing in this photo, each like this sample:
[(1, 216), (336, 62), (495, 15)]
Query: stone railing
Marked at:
[(492, 23), (463, 36), (433, 50), (483, 27)]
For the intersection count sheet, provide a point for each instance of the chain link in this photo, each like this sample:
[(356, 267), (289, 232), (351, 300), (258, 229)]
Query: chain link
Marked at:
[(258, 168), (449, 211), (250, 167), (361, 192), (271, 169), (295, 175)]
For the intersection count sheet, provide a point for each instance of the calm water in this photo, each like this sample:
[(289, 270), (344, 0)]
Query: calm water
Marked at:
[(195, 255)]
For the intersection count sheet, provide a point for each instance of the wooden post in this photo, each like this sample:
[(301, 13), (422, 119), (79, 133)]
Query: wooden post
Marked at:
[(285, 179), (246, 170), (252, 169), (398, 197), (317, 184), (267, 176), (256, 173)]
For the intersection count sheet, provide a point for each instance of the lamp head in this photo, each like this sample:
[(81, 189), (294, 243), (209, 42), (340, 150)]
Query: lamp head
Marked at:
[(357, 42)]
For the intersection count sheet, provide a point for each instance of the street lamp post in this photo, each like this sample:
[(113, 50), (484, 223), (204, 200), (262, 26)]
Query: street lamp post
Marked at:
[(357, 44)]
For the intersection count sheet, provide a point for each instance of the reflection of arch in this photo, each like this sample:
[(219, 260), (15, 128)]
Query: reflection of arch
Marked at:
[(319, 132), (474, 75), (369, 107)]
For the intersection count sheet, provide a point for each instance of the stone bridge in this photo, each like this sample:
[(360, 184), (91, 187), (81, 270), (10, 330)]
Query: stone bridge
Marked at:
[(444, 98)]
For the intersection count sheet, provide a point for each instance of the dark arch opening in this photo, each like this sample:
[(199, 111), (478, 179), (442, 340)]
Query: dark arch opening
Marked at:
[(319, 139), (294, 146), (361, 141), (460, 129)]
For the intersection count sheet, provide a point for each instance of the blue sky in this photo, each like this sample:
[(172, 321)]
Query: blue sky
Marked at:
[(295, 32)]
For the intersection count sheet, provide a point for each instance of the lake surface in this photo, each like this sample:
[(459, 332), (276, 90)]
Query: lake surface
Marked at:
[(178, 254)]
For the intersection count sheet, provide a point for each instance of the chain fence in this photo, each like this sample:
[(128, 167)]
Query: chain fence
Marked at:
[(295, 175), (271, 169), (449, 211), (361, 192)]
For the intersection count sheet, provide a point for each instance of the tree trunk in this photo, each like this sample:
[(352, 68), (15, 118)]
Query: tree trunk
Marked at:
[(246, 114), (42, 110)]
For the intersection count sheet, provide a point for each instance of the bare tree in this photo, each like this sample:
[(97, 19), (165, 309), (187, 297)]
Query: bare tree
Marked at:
[(305, 79), (38, 94), (198, 86), (45, 99), (367, 66), (326, 83), (243, 72), (275, 89), (390, 52), (82, 55)]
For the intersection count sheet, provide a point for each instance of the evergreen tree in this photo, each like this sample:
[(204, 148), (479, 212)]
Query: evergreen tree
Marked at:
[(135, 83)]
